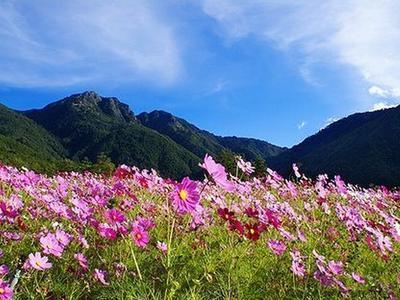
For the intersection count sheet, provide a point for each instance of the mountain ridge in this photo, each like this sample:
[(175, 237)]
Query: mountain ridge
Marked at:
[(361, 147)]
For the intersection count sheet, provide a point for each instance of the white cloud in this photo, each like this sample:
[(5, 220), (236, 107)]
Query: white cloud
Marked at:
[(363, 35), (301, 125), (382, 105), (47, 43), (384, 93)]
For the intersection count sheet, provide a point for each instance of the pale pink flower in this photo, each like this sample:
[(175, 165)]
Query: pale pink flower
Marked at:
[(82, 260), (162, 246), (100, 275), (39, 262), (217, 172)]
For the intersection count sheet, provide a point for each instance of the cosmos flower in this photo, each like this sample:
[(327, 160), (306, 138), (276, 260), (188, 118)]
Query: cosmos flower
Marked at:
[(39, 262), (297, 264), (226, 214), (6, 292), (82, 260), (100, 275), (140, 237), (107, 232), (296, 171), (51, 245), (217, 172), (276, 246), (252, 232), (4, 270), (114, 216), (236, 225), (245, 166), (185, 196), (336, 267), (357, 277), (162, 246)]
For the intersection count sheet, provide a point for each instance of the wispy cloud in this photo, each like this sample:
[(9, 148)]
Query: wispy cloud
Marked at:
[(363, 36), (44, 43), (301, 125)]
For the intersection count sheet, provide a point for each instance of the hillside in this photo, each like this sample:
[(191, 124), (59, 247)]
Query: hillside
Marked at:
[(362, 148), (201, 142), (25, 143)]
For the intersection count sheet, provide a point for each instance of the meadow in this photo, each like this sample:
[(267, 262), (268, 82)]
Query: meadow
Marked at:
[(135, 235)]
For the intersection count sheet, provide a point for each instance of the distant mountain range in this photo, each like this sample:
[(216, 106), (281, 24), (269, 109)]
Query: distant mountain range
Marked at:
[(362, 148)]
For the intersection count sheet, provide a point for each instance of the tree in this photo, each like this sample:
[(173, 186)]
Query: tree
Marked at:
[(228, 159), (104, 165), (260, 167)]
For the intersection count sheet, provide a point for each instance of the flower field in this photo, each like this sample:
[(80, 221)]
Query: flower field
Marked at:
[(135, 235)]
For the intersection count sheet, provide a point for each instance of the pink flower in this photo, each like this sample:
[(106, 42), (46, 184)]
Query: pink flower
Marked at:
[(185, 196), (276, 246), (335, 267), (357, 278), (162, 246), (107, 232), (114, 216), (39, 262), (6, 292), (297, 263), (82, 260), (245, 166), (51, 245), (217, 172), (4, 270), (296, 171), (140, 237), (63, 238), (100, 275)]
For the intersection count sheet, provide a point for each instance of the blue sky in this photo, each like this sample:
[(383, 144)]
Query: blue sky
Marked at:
[(274, 70)]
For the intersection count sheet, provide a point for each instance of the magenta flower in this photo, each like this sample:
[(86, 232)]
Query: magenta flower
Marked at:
[(107, 232), (82, 260), (39, 262), (185, 196), (217, 172), (140, 237), (162, 246), (114, 216), (51, 245), (276, 246), (6, 292), (100, 275)]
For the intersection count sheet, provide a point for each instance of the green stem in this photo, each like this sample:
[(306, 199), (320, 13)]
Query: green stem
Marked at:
[(136, 263)]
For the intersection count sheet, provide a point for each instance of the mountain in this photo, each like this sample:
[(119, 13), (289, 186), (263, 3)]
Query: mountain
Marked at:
[(201, 142), (25, 143), (88, 125), (363, 148)]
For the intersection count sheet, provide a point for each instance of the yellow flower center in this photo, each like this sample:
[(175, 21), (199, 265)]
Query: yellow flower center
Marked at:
[(138, 236), (252, 231), (183, 194), (2, 291)]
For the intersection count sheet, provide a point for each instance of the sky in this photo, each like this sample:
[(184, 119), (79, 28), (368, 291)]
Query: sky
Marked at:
[(276, 70)]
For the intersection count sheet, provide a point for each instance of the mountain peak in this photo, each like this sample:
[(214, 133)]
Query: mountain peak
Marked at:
[(92, 102)]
